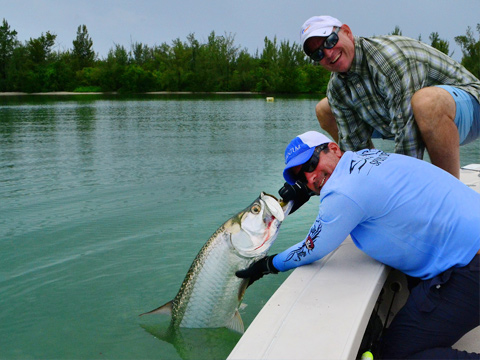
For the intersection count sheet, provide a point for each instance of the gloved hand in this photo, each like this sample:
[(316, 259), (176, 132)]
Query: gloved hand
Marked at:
[(259, 268), (299, 193)]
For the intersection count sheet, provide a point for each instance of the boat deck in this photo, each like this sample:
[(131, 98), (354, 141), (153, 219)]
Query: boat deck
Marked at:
[(321, 311)]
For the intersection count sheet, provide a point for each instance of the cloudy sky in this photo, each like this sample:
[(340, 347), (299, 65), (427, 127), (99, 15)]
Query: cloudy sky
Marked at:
[(154, 22)]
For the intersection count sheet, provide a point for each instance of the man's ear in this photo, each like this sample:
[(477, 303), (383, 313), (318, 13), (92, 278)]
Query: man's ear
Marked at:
[(334, 148), (347, 31)]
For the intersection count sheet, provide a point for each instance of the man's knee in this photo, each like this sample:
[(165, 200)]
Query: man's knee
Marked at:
[(432, 104), (324, 114)]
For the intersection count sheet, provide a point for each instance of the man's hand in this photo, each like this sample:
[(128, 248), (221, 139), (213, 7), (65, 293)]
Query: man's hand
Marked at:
[(259, 268), (298, 192)]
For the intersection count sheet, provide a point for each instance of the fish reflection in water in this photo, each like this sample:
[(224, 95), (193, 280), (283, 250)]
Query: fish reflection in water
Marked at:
[(196, 344)]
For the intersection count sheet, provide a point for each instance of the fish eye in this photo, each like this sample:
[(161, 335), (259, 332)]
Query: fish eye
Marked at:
[(256, 209)]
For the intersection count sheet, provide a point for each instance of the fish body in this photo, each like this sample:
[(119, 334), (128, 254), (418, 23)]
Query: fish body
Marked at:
[(211, 293)]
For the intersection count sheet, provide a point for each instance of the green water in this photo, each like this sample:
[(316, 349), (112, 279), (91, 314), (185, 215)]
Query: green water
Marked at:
[(105, 201)]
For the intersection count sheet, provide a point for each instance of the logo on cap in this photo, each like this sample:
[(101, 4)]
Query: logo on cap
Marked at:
[(292, 151), (308, 27)]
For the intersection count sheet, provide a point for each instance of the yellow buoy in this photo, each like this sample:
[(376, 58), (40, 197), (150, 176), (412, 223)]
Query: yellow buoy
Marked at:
[(270, 99)]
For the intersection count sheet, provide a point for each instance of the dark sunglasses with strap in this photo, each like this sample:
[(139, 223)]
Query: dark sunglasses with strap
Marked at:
[(331, 40), (311, 164)]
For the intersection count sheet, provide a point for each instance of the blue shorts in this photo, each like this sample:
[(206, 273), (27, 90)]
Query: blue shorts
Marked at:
[(467, 117)]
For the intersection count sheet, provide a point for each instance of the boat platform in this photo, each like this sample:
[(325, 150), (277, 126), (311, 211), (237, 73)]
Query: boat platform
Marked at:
[(321, 311)]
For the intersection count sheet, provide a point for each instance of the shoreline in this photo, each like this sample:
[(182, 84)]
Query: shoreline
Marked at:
[(61, 93)]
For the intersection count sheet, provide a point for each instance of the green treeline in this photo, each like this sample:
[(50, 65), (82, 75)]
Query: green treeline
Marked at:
[(214, 66)]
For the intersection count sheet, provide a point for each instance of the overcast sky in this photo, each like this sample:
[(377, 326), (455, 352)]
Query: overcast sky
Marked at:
[(153, 22)]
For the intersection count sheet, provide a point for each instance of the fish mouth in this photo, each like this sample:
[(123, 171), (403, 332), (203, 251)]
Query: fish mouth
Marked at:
[(259, 229), (279, 209), (268, 234), (286, 206), (277, 206), (273, 206)]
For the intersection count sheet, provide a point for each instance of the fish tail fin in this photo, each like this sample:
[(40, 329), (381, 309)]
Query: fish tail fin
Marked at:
[(236, 323), (164, 309)]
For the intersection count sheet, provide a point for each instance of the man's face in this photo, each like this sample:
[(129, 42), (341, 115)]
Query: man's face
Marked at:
[(326, 165), (340, 57)]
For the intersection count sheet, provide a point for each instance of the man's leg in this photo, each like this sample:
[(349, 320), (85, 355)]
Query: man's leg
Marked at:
[(326, 119), (438, 312), (434, 111)]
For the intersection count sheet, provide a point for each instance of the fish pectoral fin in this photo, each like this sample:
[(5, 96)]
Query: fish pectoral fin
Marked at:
[(164, 309), (236, 323), (243, 287)]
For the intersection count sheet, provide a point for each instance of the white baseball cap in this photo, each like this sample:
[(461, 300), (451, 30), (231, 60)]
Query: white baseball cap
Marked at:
[(318, 26)]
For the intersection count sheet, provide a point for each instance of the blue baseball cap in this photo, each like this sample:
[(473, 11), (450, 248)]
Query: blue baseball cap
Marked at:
[(300, 150)]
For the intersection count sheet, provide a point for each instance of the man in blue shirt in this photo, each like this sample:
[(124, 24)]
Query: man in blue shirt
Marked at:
[(403, 212)]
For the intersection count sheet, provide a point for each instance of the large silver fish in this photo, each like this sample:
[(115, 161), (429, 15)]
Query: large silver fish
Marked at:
[(211, 294)]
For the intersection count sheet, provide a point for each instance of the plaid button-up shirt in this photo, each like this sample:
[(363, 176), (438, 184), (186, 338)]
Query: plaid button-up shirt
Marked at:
[(376, 92)]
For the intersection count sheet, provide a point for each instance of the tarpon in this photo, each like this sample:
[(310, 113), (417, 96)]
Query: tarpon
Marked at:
[(211, 294)]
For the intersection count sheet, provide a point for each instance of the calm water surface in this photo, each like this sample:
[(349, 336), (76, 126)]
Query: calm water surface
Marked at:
[(105, 201)]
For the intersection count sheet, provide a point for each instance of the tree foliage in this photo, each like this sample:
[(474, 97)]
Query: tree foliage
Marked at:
[(8, 43), (396, 31), (438, 43), (215, 65), (40, 49), (82, 53), (471, 50)]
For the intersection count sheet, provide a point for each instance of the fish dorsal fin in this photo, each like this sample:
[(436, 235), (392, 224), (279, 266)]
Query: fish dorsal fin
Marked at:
[(236, 323), (164, 309)]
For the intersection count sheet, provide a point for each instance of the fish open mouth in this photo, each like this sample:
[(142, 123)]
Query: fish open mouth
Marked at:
[(262, 228), (273, 205), (285, 205), (267, 236), (278, 209)]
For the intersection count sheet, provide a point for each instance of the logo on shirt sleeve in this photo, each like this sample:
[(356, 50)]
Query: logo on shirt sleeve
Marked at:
[(308, 245)]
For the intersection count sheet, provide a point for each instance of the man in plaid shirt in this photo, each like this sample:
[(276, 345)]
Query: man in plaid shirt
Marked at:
[(393, 87)]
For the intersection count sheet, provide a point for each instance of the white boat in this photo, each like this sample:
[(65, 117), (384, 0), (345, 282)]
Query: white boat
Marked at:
[(321, 311)]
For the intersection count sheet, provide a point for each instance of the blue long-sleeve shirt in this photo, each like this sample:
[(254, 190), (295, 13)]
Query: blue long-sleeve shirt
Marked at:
[(403, 212)]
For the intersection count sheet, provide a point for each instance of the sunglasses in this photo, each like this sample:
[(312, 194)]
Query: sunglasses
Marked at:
[(311, 164), (332, 40)]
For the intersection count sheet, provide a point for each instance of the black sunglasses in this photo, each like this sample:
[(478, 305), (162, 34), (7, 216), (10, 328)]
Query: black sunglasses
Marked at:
[(329, 43), (311, 164)]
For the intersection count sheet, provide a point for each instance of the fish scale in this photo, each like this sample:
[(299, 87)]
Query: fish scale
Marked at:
[(214, 288)]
